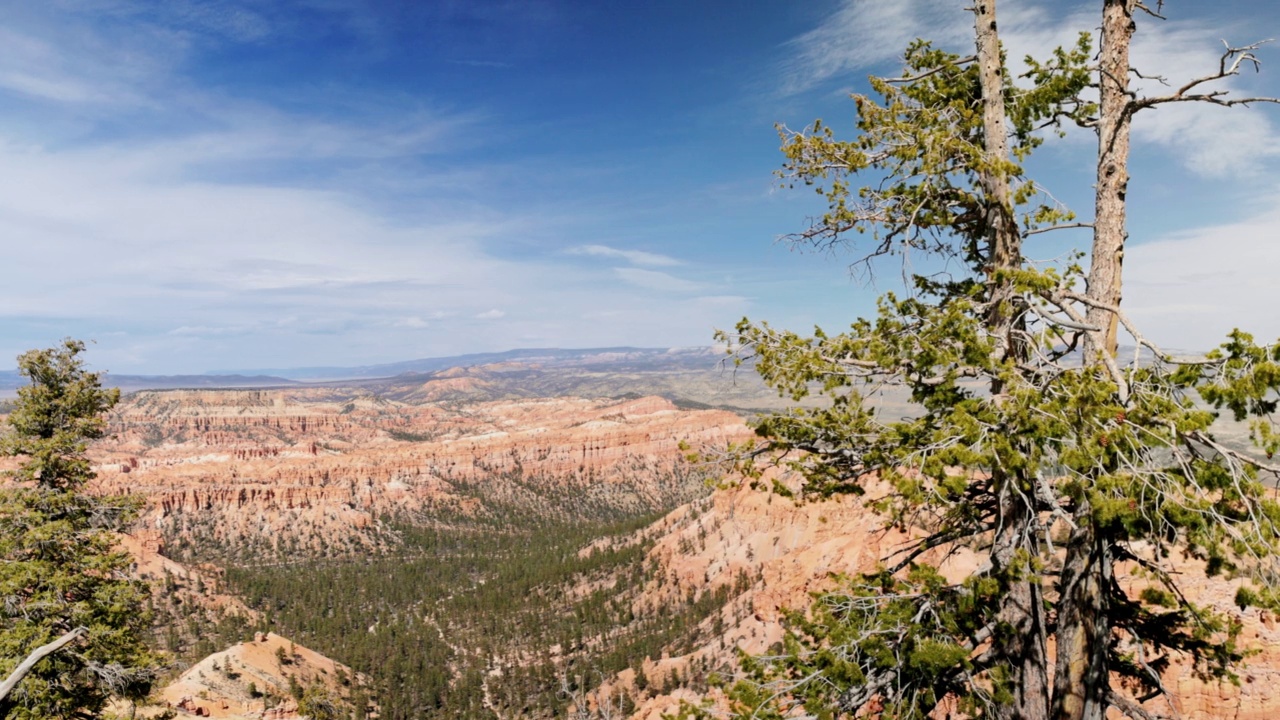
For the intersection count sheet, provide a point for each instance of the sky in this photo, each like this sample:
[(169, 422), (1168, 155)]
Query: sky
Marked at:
[(199, 186)]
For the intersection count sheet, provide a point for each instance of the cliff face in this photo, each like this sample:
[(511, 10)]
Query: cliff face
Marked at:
[(788, 551), (316, 470)]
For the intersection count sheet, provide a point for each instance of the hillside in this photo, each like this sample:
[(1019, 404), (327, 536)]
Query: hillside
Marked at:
[(267, 677), (792, 550), (433, 542), (493, 541), (255, 475)]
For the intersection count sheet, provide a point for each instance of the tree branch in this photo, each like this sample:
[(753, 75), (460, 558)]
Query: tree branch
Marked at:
[(957, 63), (1067, 226), (35, 657), (1228, 65), (1130, 707)]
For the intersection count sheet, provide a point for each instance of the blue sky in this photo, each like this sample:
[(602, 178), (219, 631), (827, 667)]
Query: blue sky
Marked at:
[(201, 185)]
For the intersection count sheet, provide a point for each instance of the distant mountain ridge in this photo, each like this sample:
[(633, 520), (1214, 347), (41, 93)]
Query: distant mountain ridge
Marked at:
[(616, 358), (608, 359), (10, 381)]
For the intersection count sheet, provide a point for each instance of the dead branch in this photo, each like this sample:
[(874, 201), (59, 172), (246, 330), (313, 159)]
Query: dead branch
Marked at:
[(1130, 708), (960, 62), (1229, 65), (1067, 226), (35, 657)]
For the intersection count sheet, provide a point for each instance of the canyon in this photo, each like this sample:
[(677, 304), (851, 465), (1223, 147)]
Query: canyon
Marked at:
[(263, 504), (269, 473), (266, 481)]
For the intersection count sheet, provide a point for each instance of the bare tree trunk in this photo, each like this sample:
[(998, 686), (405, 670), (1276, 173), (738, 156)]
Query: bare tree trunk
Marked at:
[(1109, 233), (30, 662), (1022, 609), (1082, 675), (1004, 242), (1022, 640)]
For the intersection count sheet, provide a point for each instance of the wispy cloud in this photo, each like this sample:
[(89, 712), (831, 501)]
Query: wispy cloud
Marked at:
[(195, 214), (71, 64), (1191, 288), (412, 323), (655, 280), (1211, 141), (178, 274), (861, 34), (483, 63), (1208, 140), (635, 257), (228, 19)]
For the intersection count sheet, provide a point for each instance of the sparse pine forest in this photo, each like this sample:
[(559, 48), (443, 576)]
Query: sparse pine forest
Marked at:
[(482, 623)]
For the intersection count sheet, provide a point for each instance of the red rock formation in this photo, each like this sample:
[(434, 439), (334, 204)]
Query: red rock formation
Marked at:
[(789, 551), (217, 686), (320, 467)]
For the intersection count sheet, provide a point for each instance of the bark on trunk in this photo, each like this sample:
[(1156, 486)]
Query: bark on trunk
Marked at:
[(1081, 676), (1109, 231), (1022, 608), (1004, 242), (1023, 638)]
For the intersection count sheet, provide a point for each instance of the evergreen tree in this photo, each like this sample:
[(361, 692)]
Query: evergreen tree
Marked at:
[(316, 704), (60, 570), (1011, 437)]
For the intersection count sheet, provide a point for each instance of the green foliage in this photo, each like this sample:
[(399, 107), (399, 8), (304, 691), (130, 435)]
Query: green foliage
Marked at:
[(429, 623), (316, 703), (924, 138), (57, 413), (59, 567), (999, 444)]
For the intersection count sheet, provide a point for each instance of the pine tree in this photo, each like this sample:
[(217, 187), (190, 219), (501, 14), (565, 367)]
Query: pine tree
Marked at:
[(317, 704), (60, 570), (1011, 436)]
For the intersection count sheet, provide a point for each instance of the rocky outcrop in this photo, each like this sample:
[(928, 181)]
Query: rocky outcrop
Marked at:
[(255, 679), (787, 551), (316, 470)]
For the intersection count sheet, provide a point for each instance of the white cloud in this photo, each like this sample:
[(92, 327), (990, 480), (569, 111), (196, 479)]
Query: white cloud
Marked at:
[(176, 275), (864, 33), (413, 323), (1210, 141), (1188, 290), (635, 257), (236, 23), (736, 302), (207, 330), (56, 58), (655, 280), (48, 88)]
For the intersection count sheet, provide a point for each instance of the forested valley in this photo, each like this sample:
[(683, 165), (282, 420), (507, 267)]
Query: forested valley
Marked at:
[(510, 614)]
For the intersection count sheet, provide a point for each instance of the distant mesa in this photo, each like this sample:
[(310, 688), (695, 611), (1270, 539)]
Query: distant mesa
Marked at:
[(611, 357)]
